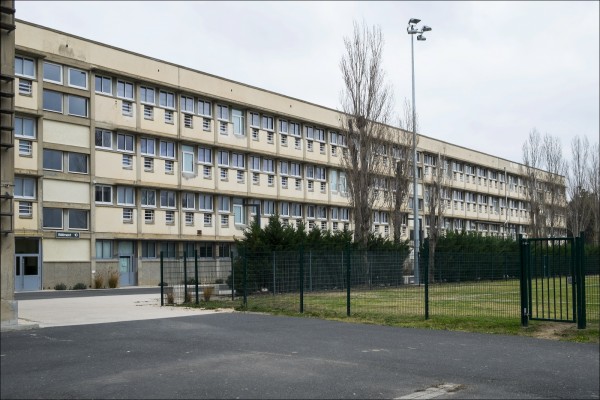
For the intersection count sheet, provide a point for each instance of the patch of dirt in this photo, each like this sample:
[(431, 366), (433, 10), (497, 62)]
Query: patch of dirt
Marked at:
[(552, 330)]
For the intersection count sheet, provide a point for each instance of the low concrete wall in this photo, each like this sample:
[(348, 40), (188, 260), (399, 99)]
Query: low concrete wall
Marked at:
[(103, 268), (69, 273), (148, 272)]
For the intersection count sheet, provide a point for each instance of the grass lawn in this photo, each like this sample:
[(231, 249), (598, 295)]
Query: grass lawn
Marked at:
[(484, 306)]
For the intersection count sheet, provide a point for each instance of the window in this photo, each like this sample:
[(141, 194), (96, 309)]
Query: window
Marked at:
[(224, 204), (267, 123), (237, 117), (78, 106), (78, 219), (222, 112), (294, 129), (53, 73), (125, 142), (148, 112), (103, 138), (148, 249), (148, 198), (186, 104), (238, 214), (103, 194), (78, 163), (125, 90), (188, 201), (283, 126), (223, 158), (310, 212), (52, 218), (125, 196), (147, 95), (166, 99), (169, 166), (149, 216), (207, 219), (148, 146), (53, 101), (283, 167), (103, 84), (127, 108), (254, 120), (224, 250), (204, 108), (284, 182), (268, 207), (167, 149), (204, 156), (284, 208), (296, 210), (205, 202), (268, 166), (128, 215), (167, 199), (224, 220), (169, 117), (148, 164), (24, 188), (295, 169), (238, 160), (168, 249), (187, 159), (127, 161), (104, 248), (188, 121), (25, 87), (254, 163), (24, 67), (24, 127), (205, 250), (189, 218), (53, 160), (77, 78), (25, 148), (170, 217)]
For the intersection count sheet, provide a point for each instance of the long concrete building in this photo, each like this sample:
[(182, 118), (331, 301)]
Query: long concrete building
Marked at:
[(119, 156)]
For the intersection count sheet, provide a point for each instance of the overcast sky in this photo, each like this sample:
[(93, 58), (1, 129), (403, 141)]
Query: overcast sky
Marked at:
[(488, 73)]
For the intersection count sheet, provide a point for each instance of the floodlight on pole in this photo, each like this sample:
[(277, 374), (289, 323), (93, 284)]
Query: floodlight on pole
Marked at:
[(412, 30)]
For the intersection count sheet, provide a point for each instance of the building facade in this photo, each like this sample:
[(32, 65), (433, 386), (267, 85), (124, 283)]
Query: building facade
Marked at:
[(119, 156)]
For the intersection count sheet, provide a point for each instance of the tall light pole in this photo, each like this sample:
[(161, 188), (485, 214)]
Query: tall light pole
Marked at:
[(412, 29)]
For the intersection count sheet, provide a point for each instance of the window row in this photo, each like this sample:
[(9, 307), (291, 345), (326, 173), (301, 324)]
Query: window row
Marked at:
[(109, 249), (52, 72)]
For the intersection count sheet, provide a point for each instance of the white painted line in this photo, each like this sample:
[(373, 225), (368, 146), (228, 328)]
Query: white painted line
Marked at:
[(432, 392)]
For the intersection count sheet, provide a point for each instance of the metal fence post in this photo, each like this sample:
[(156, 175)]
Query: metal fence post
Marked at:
[(162, 280), (244, 255), (348, 279), (523, 285), (425, 261), (185, 294), (196, 274), (232, 277), (274, 274), (580, 268), (301, 260)]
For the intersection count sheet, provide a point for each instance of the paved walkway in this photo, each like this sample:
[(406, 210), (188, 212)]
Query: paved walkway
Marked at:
[(97, 307)]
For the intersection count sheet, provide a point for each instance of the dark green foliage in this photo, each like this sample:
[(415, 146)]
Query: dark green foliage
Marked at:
[(60, 286), (79, 286), (276, 250)]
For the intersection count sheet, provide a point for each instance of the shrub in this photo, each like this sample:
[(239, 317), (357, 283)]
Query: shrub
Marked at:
[(80, 286), (219, 281), (191, 281), (98, 281), (170, 298), (113, 279), (188, 297), (60, 286), (207, 293)]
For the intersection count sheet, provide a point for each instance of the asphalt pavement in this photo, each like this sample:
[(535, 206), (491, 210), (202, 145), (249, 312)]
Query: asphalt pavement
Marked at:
[(246, 355)]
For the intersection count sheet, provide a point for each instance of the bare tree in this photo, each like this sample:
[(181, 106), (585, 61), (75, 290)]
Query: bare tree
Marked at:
[(579, 210), (401, 171), (555, 202), (532, 160), (594, 186), (435, 198), (367, 103)]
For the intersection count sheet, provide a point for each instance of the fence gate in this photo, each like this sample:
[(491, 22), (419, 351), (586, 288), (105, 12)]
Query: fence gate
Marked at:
[(552, 280)]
